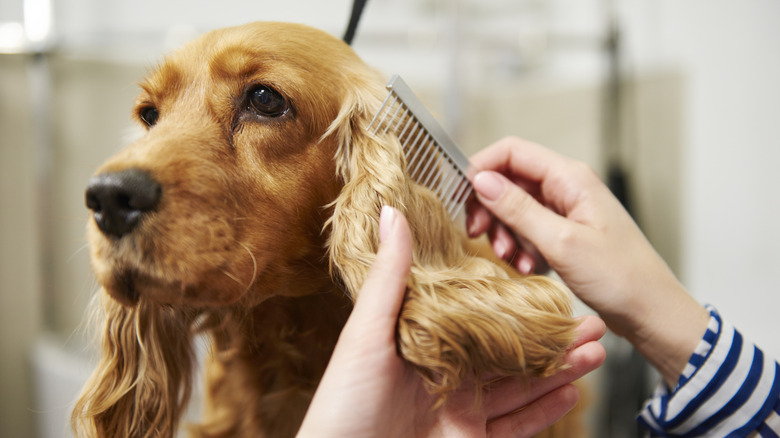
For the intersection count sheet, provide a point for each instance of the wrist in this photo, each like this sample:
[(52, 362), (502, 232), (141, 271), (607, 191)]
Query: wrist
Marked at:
[(670, 327)]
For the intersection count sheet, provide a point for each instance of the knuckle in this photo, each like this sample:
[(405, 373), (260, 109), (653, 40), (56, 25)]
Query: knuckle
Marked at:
[(583, 171), (510, 139), (567, 240), (517, 202)]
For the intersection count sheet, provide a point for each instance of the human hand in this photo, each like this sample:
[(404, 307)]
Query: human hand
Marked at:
[(368, 390), (559, 209)]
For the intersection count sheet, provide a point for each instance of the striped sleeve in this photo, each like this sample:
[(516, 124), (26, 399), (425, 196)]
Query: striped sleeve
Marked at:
[(729, 388)]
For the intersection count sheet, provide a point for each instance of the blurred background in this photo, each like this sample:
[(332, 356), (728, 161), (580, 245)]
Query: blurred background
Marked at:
[(676, 102)]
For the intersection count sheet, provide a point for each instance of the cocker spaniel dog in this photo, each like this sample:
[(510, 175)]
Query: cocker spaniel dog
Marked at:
[(248, 211)]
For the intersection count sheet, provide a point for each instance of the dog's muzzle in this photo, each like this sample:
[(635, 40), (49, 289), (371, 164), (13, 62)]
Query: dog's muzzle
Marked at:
[(118, 200)]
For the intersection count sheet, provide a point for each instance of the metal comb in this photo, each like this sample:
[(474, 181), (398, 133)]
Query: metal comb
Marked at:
[(432, 158)]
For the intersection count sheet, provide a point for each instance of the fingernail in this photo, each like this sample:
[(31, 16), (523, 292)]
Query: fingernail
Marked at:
[(489, 185), (525, 266), (386, 222), (500, 248), (471, 231), (470, 226)]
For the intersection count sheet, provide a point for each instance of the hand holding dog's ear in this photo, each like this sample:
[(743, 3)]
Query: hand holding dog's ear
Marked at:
[(368, 390), (366, 385)]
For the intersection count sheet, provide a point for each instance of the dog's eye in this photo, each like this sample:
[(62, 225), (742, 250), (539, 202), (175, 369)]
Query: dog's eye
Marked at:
[(149, 115), (267, 102)]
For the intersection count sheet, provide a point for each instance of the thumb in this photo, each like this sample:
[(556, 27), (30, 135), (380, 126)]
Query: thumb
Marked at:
[(383, 290), (518, 210)]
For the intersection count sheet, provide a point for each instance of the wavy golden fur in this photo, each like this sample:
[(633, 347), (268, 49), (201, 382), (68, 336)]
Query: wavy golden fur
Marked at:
[(256, 223)]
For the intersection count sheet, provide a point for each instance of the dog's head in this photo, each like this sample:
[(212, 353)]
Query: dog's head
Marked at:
[(255, 140), (220, 204), (227, 187)]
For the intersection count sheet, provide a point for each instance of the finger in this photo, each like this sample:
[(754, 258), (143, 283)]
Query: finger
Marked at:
[(524, 262), (505, 395), (517, 157), (478, 218), (537, 416), (501, 397), (528, 259), (518, 210), (591, 328), (382, 292), (502, 241)]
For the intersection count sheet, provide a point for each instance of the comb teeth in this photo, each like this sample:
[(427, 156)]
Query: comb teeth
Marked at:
[(432, 159)]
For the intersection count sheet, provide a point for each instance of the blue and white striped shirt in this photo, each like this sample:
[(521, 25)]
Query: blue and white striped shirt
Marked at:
[(729, 388)]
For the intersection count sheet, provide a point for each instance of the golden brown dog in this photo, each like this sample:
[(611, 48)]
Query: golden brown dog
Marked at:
[(248, 211)]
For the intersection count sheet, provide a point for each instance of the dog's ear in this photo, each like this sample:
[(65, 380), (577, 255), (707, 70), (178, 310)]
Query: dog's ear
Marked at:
[(143, 379), (463, 316), (370, 167)]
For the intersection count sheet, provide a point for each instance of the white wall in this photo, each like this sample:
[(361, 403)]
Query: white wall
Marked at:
[(732, 249), (20, 298), (730, 54)]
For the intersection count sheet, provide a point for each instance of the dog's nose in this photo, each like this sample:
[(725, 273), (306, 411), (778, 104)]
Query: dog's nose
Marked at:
[(119, 199)]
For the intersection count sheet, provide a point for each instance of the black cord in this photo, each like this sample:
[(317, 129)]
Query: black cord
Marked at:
[(357, 11)]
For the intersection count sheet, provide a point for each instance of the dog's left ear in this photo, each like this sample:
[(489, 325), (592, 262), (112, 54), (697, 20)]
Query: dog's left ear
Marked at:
[(463, 316), (371, 169)]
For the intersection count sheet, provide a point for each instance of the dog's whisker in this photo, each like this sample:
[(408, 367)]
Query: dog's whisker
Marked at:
[(77, 251), (254, 264), (231, 276)]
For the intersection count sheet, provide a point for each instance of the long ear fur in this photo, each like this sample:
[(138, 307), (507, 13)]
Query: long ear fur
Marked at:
[(143, 379), (463, 316)]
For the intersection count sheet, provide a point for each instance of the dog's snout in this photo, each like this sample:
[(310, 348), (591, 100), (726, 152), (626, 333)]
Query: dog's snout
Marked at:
[(118, 200)]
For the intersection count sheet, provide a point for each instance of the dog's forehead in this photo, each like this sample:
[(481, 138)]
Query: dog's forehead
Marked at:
[(305, 64), (282, 53)]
